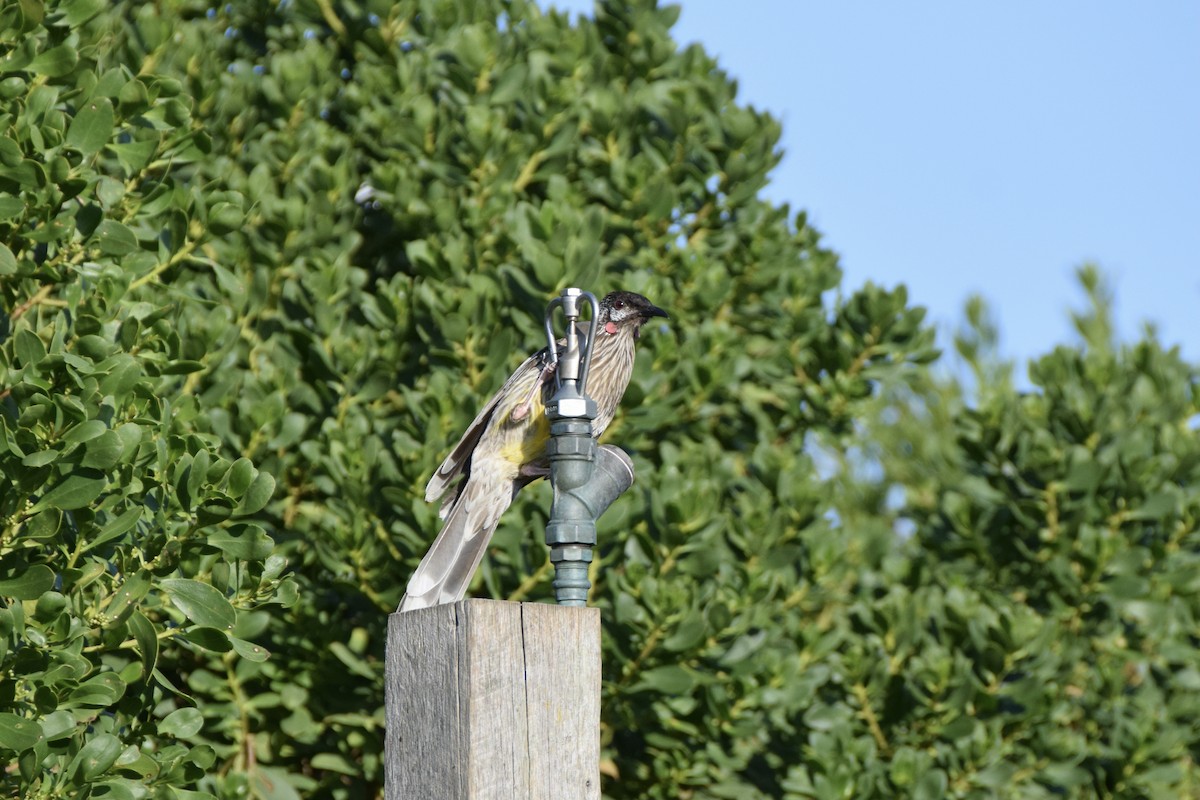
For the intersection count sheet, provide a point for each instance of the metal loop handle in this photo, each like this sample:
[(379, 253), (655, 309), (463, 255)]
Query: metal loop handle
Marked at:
[(577, 361)]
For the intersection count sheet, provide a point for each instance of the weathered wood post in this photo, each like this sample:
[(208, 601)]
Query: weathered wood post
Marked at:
[(489, 699)]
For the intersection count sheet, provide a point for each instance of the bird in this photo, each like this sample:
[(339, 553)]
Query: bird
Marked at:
[(504, 449)]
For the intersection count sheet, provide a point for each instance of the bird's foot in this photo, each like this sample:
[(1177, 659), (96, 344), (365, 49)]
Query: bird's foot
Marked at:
[(534, 470)]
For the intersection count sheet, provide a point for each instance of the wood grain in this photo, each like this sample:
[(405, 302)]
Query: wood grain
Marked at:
[(490, 700)]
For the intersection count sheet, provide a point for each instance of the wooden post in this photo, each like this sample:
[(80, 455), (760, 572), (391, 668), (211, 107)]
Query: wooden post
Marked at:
[(489, 699)]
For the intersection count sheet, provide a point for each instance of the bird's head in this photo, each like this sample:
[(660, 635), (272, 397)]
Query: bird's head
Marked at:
[(626, 311)]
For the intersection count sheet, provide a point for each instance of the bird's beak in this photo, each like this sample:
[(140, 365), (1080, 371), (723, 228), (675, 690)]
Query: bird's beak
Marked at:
[(655, 311)]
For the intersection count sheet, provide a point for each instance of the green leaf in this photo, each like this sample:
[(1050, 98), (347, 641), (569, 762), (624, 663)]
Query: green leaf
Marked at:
[(146, 637), (17, 733), (49, 606), (57, 725), (109, 192), (182, 367), (85, 431), (1084, 476), (28, 347), (273, 567), (114, 239), (245, 542), (240, 475), (10, 208), (8, 261), (333, 762), (198, 474), (131, 436), (209, 638), (30, 584), (118, 789), (215, 510), (166, 683), (188, 794), (271, 783), (355, 664), (249, 650), (1065, 775), (181, 478), (288, 593), (44, 526), (99, 691), (77, 12), (134, 156), (77, 490), (10, 152), (30, 14), (115, 529), (931, 786), (55, 62), (224, 218), (40, 458), (203, 756), (124, 372), (134, 97), (104, 451), (92, 126), (182, 723), (690, 632), (30, 175), (258, 494), (669, 680), (201, 603), (1157, 506), (129, 593), (96, 757)]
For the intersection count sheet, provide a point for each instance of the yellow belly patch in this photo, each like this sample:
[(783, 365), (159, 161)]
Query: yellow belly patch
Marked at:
[(525, 440)]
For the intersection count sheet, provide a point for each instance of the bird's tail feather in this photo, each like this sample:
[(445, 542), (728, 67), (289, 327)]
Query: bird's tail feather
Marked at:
[(446, 570)]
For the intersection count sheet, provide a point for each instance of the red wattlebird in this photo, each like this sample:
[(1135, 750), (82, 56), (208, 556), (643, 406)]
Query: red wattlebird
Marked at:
[(504, 449)]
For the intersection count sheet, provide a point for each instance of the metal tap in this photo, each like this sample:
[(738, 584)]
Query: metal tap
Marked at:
[(585, 477)]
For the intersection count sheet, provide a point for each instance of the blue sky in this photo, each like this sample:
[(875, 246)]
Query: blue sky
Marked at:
[(990, 148)]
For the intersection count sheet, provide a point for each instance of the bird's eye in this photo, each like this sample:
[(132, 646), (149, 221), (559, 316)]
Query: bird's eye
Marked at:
[(619, 304)]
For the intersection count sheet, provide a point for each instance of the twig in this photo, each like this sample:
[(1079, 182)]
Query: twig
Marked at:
[(42, 294)]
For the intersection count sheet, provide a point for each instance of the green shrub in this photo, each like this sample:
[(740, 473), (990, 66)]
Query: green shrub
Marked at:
[(504, 161), (295, 245), (134, 561)]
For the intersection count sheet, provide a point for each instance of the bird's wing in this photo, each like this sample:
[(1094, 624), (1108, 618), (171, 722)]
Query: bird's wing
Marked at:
[(446, 570), (514, 390), (459, 461)]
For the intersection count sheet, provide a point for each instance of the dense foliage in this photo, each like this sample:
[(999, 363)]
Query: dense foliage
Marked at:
[(260, 263)]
